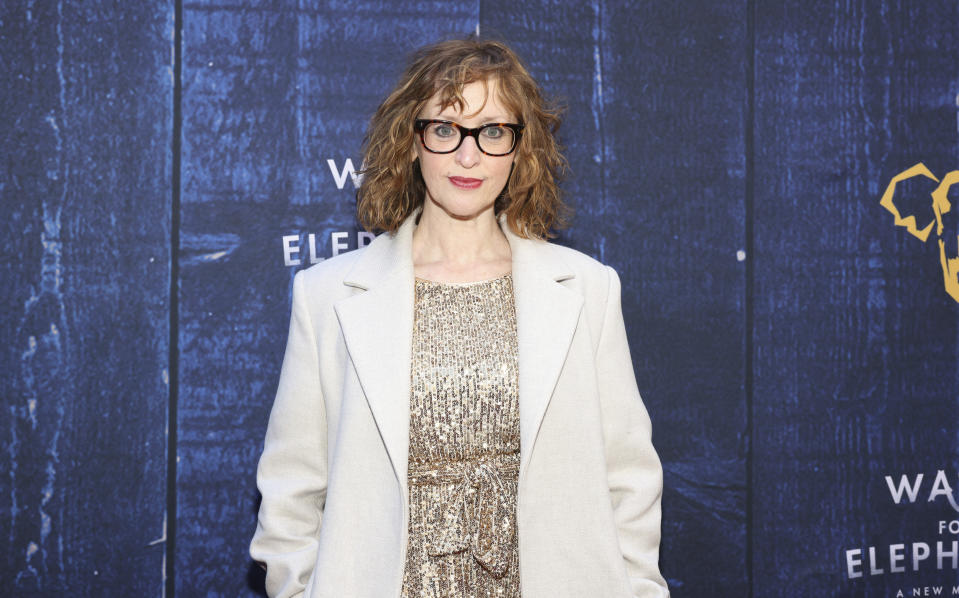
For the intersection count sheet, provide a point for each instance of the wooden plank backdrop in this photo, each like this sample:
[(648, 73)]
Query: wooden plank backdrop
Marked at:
[(855, 362), (85, 196), (793, 345), (669, 217), (272, 91)]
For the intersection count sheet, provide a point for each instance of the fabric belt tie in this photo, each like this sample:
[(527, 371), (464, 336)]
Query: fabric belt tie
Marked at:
[(479, 515)]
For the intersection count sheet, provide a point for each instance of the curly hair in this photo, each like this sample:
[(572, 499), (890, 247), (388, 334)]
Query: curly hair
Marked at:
[(393, 186)]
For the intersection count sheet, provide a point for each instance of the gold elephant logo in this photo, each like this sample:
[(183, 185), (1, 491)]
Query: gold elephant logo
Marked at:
[(940, 205)]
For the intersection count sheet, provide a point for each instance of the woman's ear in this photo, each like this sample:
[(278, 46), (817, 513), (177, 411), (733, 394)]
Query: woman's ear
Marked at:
[(413, 153)]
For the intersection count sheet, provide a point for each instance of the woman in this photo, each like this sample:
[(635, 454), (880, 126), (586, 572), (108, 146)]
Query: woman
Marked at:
[(457, 413)]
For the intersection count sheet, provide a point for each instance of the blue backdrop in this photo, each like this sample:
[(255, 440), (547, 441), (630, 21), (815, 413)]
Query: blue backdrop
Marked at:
[(168, 166)]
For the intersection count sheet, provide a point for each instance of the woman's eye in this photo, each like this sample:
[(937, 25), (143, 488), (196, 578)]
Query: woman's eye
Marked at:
[(444, 131), (493, 132)]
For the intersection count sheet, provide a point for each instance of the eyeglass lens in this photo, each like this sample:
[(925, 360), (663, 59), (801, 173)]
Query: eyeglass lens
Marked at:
[(442, 137)]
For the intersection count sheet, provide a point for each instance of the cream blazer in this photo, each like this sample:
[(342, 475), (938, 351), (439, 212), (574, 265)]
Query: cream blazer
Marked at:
[(333, 473)]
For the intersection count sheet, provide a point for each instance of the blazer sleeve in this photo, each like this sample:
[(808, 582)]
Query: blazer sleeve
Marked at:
[(292, 473), (634, 472)]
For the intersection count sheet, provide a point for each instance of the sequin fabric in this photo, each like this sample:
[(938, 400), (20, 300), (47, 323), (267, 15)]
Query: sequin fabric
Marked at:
[(464, 442)]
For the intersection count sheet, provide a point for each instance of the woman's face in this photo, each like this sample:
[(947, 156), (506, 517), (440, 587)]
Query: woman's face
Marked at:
[(466, 182)]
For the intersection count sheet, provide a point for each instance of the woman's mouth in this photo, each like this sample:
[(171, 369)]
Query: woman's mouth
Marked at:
[(465, 182)]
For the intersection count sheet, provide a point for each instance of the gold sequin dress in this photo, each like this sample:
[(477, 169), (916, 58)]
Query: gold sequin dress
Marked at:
[(464, 442)]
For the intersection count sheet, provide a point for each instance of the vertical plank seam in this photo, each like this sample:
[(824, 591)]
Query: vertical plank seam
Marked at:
[(598, 104), (748, 301), (174, 378)]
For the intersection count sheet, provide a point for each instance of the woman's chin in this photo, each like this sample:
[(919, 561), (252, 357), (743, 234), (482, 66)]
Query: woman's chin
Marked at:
[(459, 211)]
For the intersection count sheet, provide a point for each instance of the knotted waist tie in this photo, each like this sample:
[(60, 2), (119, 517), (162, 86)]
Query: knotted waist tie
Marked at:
[(479, 515)]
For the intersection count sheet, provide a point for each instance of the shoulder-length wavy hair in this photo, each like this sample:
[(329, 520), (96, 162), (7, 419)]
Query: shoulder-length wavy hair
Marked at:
[(393, 186)]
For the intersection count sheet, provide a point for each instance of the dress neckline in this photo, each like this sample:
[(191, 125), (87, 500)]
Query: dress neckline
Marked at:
[(463, 284)]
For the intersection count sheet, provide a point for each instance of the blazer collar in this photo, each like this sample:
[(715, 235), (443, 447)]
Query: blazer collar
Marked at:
[(391, 255), (377, 325)]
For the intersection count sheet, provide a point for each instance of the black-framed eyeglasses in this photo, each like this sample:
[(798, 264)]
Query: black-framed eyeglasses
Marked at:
[(444, 137)]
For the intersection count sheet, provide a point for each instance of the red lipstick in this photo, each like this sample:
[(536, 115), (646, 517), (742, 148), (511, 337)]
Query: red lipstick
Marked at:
[(465, 182)]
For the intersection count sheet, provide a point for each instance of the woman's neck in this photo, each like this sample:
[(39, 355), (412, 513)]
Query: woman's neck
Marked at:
[(448, 249)]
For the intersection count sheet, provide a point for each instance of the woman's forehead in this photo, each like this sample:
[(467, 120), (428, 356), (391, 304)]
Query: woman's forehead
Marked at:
[(474, 97)]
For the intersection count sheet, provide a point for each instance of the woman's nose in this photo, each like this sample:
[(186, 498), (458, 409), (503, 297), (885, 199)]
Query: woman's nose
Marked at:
[(468, 154)]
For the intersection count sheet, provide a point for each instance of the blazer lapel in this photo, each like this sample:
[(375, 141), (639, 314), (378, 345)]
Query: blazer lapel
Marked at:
[(377, 325), (546, 317)]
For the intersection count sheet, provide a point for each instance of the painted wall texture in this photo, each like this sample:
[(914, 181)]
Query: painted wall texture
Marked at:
[(85, 207), (168, 167)]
